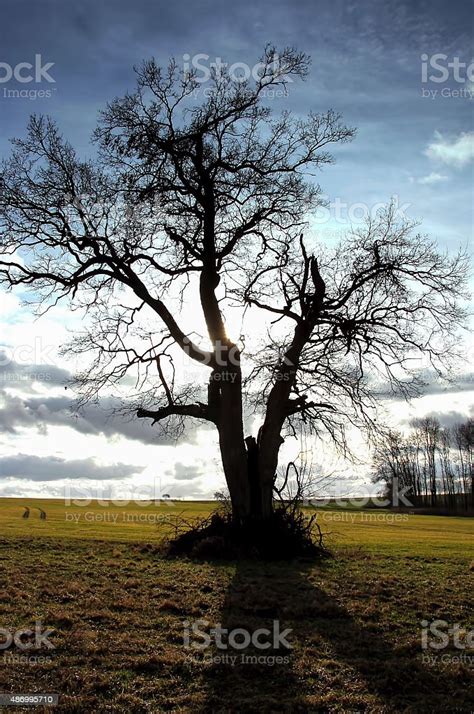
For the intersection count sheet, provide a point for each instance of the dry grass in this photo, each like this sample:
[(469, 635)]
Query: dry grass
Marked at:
[(117, 609)]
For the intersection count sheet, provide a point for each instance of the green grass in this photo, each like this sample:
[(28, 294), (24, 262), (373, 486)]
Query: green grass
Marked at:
[(117, 608), (94, 520), (374, 529)]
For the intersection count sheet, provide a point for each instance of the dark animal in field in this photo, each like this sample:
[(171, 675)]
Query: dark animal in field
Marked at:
[(27, 512), (42, 514)]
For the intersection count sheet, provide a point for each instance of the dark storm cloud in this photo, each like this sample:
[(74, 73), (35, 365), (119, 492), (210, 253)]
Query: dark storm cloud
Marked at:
[(452, 417), (366, 65), (27, 410), (53, 468), (461, 383), (96, 419), (94, 47), (432, 385), (186, 472), (23, 376)]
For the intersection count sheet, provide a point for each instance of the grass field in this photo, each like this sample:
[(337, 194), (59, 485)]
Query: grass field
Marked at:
[(94, 574)]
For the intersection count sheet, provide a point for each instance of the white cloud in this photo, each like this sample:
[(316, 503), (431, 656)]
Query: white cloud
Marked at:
[(455, 152), (431, 178), (9, 306)]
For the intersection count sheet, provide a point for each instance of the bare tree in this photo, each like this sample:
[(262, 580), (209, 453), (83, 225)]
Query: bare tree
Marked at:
[(463, 438), (206, 204), (447, 467), (433, 464), (429, 430), (393, 465)]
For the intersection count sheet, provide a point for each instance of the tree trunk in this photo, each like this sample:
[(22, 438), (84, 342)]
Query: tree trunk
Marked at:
[(227, 384), (261, 488), (250, 486), (251, 494), (250, 465)]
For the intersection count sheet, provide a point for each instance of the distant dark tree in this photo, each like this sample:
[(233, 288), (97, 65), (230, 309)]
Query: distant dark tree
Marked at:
[(463, 438), (204, 198), (432, 465), (429, 430), (395, 465)]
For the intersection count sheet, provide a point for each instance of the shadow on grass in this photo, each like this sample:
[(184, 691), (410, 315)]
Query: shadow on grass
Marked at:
[(335, 664)]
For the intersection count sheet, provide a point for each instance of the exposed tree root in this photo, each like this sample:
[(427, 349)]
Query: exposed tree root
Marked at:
[(285, 536)]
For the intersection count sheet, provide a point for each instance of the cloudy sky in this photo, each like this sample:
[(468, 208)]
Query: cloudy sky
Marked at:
[(384, 66)]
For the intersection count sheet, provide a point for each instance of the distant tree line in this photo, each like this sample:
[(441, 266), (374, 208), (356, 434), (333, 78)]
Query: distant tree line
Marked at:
[(432, 466)]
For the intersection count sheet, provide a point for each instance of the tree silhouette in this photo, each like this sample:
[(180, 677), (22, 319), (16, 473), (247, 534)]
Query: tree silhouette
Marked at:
[(201, 199)]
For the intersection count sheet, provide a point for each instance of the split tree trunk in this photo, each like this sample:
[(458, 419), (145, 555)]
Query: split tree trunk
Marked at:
[(249, 464)]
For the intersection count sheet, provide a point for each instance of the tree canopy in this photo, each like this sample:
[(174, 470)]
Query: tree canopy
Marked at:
[(206, 203)]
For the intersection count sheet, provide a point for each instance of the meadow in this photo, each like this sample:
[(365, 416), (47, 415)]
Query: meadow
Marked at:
[(96, 575)]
